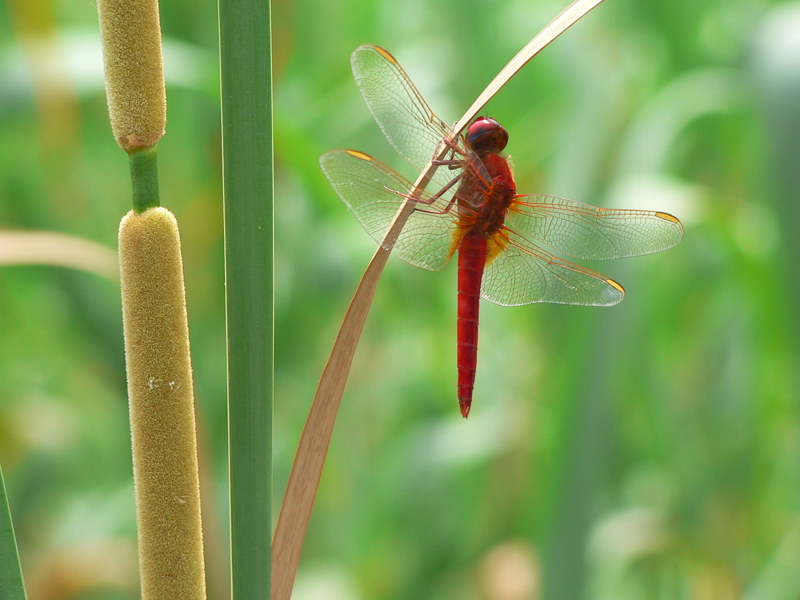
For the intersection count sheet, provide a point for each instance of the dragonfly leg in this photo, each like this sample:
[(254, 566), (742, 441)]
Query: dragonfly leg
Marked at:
[(469, 158), (432, 199), (451, 163)]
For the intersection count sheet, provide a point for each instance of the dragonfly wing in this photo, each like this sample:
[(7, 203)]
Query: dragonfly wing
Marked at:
[(403, 115), (588, 232), (399, 109), (523, 274), (374, 193)]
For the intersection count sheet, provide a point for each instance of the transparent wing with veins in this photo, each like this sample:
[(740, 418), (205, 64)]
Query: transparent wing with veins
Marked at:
[(524, 271), (374, 193), (403, 115), (524, 274), (588, 232)]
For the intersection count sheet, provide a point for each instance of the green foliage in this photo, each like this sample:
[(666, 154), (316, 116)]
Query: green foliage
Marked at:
[(646, 451), (246, 69)]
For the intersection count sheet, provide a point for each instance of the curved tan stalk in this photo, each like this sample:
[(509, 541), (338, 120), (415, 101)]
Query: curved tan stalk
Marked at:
[(161, 407)]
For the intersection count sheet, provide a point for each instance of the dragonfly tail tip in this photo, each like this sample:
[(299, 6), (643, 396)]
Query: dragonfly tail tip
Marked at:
[(465, 406)]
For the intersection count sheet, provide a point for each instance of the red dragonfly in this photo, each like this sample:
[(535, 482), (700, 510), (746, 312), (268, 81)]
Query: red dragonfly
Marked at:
[(505, 241)]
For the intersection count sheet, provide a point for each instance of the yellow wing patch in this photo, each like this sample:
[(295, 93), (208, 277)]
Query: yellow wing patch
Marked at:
[(667, 217), (385, 54), (361, 155), (615, 285)]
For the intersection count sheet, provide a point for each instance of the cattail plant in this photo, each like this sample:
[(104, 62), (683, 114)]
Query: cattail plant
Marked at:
[(158, 362)]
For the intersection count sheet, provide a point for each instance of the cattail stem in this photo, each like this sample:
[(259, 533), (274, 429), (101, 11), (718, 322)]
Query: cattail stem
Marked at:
[(144, 177), (161, 407)]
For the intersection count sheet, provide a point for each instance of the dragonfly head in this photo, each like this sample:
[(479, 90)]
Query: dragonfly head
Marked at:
[(486, 135)]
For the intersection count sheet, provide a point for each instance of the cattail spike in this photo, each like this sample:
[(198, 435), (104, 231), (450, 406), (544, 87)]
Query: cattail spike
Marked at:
[(134, 71), (161, 399)]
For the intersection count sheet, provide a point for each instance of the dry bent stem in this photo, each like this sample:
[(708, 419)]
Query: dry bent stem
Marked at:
[(161, 407)]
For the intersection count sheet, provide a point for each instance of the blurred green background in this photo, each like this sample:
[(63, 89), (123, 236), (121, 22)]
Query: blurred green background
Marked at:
[(647, 451)]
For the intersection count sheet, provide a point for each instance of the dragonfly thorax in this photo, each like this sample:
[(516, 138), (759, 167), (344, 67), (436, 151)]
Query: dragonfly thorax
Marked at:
[(485, 194)]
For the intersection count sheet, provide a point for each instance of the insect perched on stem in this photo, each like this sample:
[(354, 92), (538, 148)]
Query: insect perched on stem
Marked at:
[(506, 242)]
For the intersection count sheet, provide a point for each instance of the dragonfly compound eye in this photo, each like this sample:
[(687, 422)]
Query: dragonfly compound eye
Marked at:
[(487, 135)]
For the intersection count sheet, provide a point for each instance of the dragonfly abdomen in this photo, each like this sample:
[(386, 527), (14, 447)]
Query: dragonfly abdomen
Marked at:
[(471, 261)]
